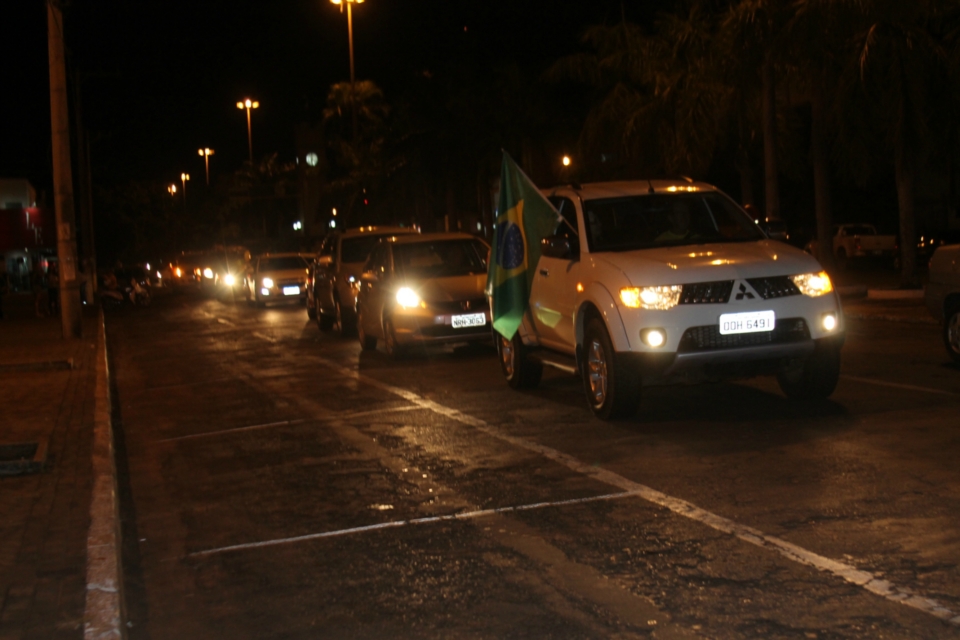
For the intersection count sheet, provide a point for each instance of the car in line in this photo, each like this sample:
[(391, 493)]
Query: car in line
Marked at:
[(424, 289), (661, 282), (276, 277), (336, 275), (942, 295)]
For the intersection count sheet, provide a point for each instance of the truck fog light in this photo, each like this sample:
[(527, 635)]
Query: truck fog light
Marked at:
[(264, 291), (654, 337), (828, 321)]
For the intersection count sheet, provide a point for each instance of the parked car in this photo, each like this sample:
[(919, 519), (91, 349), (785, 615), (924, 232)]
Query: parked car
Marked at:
[(424, 289), (943, 295), (337, 275), (276, 277), (667, 282), (860, 241)]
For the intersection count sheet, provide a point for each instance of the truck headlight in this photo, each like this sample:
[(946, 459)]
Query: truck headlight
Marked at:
[(407, 298), (813, 284), (662, 298), (229, 280), (268, 283)]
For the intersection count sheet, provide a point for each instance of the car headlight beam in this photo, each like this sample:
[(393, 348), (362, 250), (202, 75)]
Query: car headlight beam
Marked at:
[(268, 283), (660, 298), (229, 280), (407, 298), (208, 273), (813, 284)]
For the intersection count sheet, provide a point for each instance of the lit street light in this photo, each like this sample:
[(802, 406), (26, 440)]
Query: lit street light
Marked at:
[(183, 178), (249, 104), (353, 78), (172, 190), (206, 153), (566, 161)]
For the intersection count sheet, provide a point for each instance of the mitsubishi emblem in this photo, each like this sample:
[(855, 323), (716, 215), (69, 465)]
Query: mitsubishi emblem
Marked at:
[(744, 294)]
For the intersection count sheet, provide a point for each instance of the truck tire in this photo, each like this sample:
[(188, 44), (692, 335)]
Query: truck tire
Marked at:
[(521, 371), (951, 332), (612, 386), (814, 379)]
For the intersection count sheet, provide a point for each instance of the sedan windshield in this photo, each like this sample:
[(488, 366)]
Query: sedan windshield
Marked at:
[(662, 220), (358, 249), (282, 263), (440, 259)]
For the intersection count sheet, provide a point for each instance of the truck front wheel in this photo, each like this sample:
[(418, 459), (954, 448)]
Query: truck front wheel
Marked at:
[(951, 332), (814, 379), (612, 386), (518, 368)]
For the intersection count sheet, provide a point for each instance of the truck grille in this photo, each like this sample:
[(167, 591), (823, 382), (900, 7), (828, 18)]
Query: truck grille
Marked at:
[(708, 338), (776, 287), (707, 292)]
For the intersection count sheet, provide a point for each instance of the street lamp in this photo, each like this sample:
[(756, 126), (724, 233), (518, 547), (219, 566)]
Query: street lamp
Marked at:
[(566, 161), (183, 178), (249, 104), (172, 190), (206, 153), (349, 29)]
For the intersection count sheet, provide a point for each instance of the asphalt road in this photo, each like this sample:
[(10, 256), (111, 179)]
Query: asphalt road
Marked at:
[(277, 482)]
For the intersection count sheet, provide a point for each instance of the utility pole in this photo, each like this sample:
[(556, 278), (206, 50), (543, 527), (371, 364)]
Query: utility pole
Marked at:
[(62, 177), (88, 249)]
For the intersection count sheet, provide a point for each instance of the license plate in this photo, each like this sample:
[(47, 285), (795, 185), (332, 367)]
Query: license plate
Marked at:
[(468, 320), (291, 291), (748, 322)]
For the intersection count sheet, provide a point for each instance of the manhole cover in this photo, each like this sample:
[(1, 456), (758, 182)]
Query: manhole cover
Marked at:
[(23, 457)]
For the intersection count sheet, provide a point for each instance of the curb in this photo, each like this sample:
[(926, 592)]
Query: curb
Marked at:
[(852, 291), (103, 612)]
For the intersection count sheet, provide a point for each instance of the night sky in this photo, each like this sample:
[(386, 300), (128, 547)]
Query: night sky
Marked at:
[(161, 79)]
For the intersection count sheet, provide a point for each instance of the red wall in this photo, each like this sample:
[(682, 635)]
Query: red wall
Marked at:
[(17, 233)]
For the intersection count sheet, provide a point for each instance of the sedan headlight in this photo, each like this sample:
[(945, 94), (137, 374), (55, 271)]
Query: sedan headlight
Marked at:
[(268, 283), (408, 298), (661, 298), (208, 273), (229, 280), (813, 284)]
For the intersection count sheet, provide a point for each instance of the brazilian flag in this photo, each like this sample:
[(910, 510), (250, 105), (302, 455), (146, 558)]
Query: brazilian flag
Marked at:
[(524, 218)]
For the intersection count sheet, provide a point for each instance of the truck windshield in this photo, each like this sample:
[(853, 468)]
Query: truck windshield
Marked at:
[(666, 220)]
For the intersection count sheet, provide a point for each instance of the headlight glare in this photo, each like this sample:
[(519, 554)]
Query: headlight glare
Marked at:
[(229, 280), (660, 298), (208, 273), (268, 283), (407, 298), (813, 284)]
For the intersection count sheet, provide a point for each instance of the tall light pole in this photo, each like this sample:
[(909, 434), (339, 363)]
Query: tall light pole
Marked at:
[(206, 153), (183, 178), (249, 104), (172, 190), (353, 78)]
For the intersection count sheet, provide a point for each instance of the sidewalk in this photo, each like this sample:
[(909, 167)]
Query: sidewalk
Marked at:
[(46, 515)]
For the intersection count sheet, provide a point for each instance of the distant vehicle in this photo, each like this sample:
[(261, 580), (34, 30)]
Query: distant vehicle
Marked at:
[(857, 241), (654, 282), (943, 295), (928, 243), (424, 289), (222, 269), (337, 275), (276, 277)]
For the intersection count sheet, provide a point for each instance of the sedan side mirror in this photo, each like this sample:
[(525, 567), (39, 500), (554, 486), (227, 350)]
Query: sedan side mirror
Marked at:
[(561, 247), (370, 276), (325, 261)]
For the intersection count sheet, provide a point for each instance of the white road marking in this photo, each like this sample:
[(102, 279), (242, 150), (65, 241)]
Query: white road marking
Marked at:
[(842, 570), (227, 322), (264, 337), (403, 523), (897, 385), (283, 423)]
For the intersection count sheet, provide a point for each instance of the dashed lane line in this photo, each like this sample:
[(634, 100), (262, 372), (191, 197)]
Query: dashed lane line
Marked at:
[(284, 423), (897, 385), (467, 515)]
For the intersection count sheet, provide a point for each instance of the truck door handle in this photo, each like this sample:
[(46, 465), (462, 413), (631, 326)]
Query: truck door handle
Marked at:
[(544, 272)]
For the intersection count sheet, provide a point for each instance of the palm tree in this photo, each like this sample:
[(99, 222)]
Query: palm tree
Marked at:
[(902, 65)]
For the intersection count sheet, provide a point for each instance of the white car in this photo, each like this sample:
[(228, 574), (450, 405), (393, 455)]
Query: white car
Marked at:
[(276, 277), (943, 295), (671, 281)]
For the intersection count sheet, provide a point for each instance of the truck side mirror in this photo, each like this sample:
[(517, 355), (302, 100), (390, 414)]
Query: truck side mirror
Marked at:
[(561, 247)]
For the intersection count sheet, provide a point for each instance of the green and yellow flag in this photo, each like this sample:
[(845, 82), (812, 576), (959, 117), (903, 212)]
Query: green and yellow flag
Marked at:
[(524, 218)]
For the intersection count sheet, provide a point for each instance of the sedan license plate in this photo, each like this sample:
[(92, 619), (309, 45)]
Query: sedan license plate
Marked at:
[(748, 322), (468, 320), (291, 291)]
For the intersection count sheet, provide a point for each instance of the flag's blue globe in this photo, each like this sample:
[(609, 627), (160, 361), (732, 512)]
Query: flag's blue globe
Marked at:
[(510, 252)]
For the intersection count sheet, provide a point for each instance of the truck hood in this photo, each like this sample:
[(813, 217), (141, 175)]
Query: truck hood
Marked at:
[(709, 262)]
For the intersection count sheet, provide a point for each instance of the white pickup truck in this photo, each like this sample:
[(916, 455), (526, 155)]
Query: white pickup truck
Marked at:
[(667, 282), (861, 241)]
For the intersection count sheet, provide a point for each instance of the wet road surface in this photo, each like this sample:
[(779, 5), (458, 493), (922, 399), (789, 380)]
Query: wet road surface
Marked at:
[(277, 482)]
